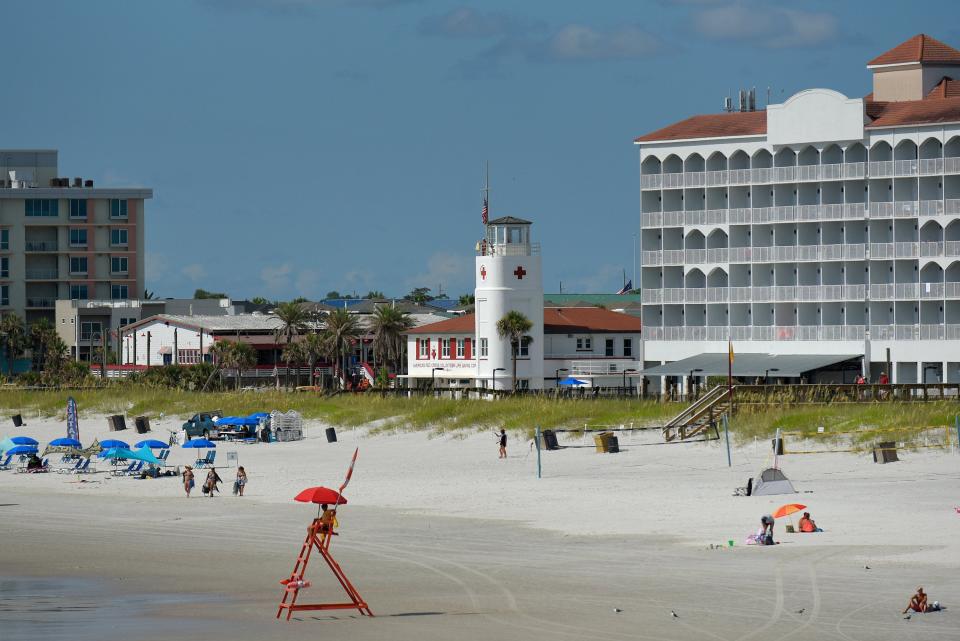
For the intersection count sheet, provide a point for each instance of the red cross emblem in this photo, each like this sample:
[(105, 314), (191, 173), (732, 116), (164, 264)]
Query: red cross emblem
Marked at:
[(520, 272), (483, 272), (433, 353)]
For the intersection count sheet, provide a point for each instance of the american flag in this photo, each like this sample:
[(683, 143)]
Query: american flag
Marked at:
[(626, 288), (483, 214)]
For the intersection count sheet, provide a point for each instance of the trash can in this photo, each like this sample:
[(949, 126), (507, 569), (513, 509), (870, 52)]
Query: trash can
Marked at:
[(885, 452), (143, 424), (604, 441), (548, 440), (613, 444), (17, 420), (117, 423), (777, 446), (331, 435)]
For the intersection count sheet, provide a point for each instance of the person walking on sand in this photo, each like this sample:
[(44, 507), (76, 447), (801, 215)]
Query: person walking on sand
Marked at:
[(188, 482), (241, 481), (210, 486), (503, 443), (766, 522)]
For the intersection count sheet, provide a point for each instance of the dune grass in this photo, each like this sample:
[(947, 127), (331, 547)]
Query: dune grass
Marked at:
[(515, 414)]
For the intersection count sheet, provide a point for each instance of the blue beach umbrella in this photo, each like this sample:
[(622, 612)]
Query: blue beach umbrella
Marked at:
[(22, 450), (19, 440), (65, 442), (153, 443), (199, 443), (113, 442), (572, 382)]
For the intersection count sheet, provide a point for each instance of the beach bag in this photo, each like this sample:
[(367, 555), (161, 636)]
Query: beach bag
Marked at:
[(236, 487), (768, 539), (206, 488)]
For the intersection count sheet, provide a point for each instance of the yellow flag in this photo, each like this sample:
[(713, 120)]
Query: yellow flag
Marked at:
[(730, 348)]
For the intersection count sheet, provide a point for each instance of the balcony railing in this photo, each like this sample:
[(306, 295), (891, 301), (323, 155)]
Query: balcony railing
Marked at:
[(485, 248), (43, 303), (799, 293), (603, 367), (42, 274), (40, 246), (803, 332)]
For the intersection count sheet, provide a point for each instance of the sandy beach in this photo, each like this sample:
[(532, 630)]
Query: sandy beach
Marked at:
[(446, 541)]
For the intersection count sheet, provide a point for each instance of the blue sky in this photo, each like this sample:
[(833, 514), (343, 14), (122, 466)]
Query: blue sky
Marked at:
[(299, 146)]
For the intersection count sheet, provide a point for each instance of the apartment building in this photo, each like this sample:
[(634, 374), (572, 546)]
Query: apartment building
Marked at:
[(63, 238), (823, 225)]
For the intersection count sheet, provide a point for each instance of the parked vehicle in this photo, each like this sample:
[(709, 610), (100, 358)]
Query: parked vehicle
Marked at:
[(201, 425)]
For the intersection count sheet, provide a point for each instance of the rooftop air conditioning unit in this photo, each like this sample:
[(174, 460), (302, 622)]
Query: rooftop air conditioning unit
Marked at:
[(78, 182), (88, 183)]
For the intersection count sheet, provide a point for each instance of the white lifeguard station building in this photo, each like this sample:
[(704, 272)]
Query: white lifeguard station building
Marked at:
[(509, 278)]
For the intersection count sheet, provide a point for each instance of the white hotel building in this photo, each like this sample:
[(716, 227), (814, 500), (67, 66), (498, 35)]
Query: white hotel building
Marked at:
[(824, 225)]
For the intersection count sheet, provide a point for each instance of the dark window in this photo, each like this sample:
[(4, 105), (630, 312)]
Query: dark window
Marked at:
[(628, 347), (608, 347), (118, 208), (41, 207), (78, 292), (78, 264), (78, 208)]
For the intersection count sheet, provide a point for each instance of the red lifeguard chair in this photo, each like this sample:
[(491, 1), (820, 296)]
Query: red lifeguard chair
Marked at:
[(320, 533)]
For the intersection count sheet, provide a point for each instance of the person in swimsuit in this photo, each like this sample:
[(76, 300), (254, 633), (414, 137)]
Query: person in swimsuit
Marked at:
[(188, 482), (241, 481)]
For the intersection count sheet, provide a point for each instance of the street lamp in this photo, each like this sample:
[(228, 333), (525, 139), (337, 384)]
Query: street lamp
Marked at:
[(557, 375), (690, 380), (766, 374), (625, 372), (497, 369)]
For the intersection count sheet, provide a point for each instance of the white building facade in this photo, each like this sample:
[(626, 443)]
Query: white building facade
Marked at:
[(823, 225)]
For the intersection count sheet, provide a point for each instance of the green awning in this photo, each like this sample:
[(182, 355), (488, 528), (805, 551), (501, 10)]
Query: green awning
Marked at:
[(786, 365)]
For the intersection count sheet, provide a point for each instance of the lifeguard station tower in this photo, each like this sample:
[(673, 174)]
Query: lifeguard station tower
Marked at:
[(508, 278)]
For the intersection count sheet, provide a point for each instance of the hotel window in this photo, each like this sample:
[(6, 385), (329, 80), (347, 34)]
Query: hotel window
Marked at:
[(47, 207), (119, 292), (5, 267), (118, 237), (608, 347), (424, 348), (445, 348), (524, 350), (483, 348), (78, 292), (584, 344), (127, 321), (118, 264), (461, 349), (188, 356), (628, 347), (78, 264), (89, 331), (78, 237), (4, 239), (5, 295), (118, 208), (78, 208)]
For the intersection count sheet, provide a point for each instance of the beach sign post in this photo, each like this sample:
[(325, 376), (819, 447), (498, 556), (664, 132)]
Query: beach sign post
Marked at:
[(319, 535), (537, 441)]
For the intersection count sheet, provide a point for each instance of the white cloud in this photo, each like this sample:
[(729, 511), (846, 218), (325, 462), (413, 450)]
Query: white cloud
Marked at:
[(765, 25), (581, 42), (195, 271), (156, 266), (450, 270), (276, 278), (465, 22)]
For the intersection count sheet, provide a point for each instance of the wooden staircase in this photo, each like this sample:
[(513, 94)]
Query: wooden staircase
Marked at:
[(700, 419)]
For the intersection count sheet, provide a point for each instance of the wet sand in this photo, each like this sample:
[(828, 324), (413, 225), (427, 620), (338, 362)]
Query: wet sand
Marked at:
[(209, 569)]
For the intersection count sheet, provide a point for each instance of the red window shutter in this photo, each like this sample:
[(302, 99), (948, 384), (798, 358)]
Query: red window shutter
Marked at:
[(418, 349), (467, 344), (453, 349), (428, 348)]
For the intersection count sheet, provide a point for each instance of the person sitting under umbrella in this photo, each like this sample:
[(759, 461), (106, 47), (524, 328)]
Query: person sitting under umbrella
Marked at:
[(807, 524), (328, 520), (34, 462)]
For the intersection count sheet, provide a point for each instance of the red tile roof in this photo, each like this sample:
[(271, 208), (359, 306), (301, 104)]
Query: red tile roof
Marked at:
[(556, 320), (920, 48), (737, 123), (946, 88)]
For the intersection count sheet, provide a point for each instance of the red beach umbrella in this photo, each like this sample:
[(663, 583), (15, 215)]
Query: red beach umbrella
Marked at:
[(786, 510), (320, 495)]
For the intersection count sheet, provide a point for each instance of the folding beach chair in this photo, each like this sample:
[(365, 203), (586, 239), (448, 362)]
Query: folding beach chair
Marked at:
[(207, 460), (134, 469), (83, 468), (7, 462)]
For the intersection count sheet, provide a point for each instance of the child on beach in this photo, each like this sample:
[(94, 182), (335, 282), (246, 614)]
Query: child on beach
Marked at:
[(503, 443), (241, 481), (188, 482)]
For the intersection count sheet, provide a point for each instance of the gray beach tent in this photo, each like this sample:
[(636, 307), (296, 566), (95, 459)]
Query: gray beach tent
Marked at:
[(772, 481)]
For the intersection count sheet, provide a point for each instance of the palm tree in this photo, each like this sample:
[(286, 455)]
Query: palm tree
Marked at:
[(14, 338), (313, 350), (388, 326), (293, 353), (42, 334), (341, 333), (57, 353), (515, 327), (244, 356), (294, 320)]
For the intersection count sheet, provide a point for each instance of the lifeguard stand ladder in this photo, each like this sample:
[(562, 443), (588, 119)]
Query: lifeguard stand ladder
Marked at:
[(318, 536)]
